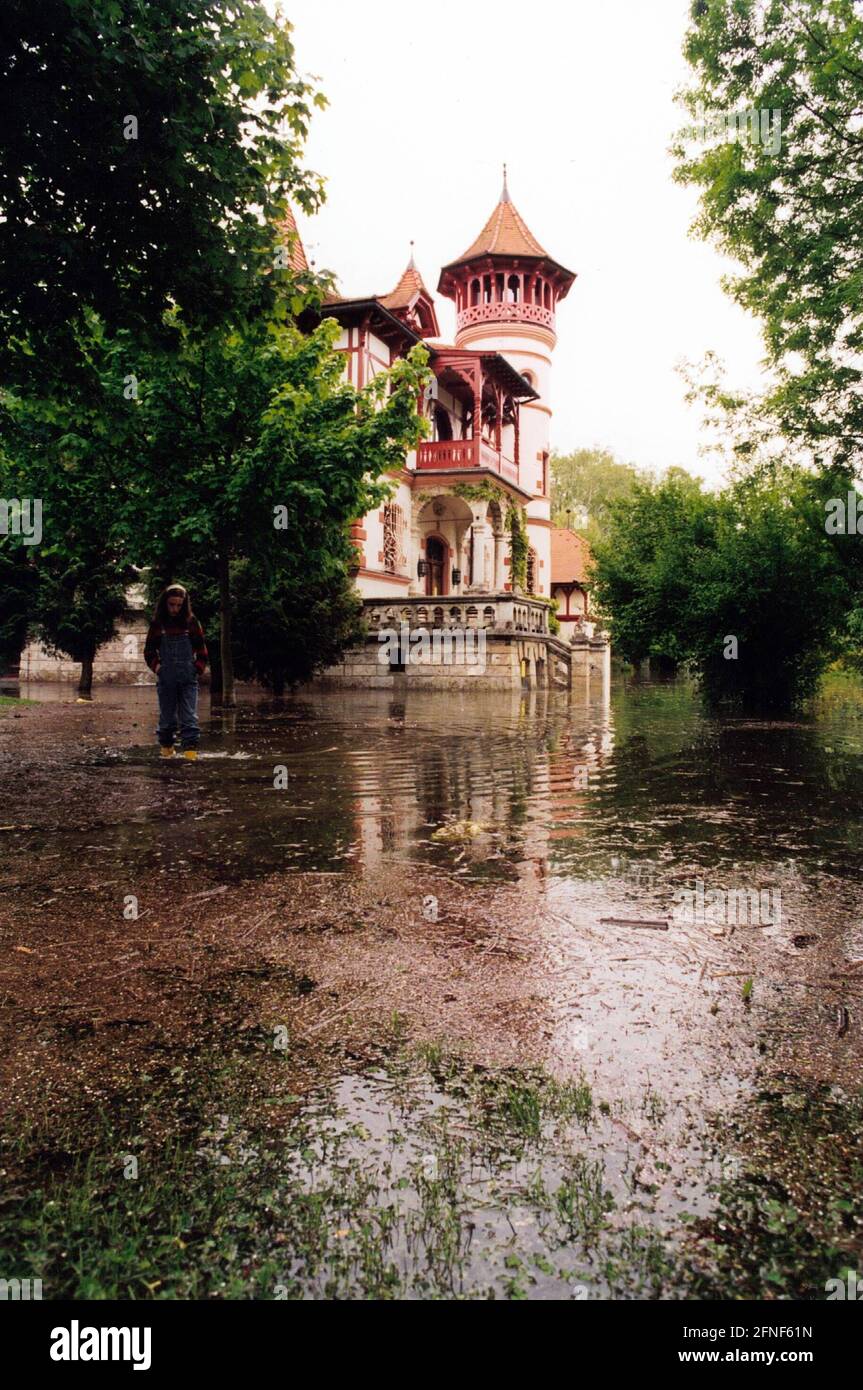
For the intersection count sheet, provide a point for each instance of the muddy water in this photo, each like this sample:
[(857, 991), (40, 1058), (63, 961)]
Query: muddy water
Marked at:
[(588, 822), (598, 811)]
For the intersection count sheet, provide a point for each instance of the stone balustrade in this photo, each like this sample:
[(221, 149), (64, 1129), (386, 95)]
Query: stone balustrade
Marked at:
[(496, 613)]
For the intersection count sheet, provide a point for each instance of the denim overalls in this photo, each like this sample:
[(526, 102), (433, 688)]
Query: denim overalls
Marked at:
[(177, 686)]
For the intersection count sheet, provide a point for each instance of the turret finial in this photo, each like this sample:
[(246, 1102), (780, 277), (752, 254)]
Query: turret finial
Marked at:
[(411, 265), (504, 197)]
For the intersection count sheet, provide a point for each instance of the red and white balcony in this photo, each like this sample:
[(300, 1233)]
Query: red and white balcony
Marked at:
[(465, 453)]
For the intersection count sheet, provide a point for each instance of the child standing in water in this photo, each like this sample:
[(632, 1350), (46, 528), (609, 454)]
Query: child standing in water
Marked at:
[(176, 652)]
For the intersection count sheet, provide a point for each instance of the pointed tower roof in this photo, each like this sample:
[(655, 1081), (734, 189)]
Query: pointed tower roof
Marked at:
[(505, 234), (289, 230), (411, 300)]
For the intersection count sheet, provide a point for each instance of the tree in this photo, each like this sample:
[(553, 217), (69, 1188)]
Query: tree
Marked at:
[(18, 583), (252, 457), (745, 586), (146, 152), (80, 599), (643, 564), (783, 197), (297, 618), (61, 456), (585, 483)]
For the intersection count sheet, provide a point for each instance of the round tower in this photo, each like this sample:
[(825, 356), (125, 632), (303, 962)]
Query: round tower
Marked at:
[(506, 288)]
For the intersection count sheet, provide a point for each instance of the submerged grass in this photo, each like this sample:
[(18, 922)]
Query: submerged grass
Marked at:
[(789, 1216), (419, 1177), (426, 1178)]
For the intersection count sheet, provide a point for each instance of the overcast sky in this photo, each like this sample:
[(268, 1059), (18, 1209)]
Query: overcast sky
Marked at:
[(426, 103)]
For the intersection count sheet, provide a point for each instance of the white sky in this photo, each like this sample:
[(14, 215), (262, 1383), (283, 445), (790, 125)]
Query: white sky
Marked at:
[(427, 101)]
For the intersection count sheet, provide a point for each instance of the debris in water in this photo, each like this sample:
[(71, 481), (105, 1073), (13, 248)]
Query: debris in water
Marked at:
[(460, 830), (660, 924)]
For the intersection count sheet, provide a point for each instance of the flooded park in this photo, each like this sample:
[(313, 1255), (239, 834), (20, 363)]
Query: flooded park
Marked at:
[(503, 995)]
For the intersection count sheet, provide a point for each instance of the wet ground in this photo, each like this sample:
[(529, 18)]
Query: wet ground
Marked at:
[(425, 971)]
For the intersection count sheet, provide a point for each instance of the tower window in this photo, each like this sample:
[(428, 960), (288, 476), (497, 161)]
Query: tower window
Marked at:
[(513, 289), (474, 291)]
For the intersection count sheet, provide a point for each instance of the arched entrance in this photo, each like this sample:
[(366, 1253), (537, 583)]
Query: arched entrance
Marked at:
[(436, 554)]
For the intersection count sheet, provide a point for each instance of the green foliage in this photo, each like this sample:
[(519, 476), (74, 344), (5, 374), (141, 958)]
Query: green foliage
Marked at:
[(76, 576), (230, 431), (516, 519), (18, 583), (185, 212), (516, 522), (552, 606), (294, 622), (252, 452), (486, 491), (681, 572), (583, 486), (788, 210), (853, 653)]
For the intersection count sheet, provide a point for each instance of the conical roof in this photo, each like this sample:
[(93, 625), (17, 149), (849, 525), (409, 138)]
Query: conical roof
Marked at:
[(505, 234), (408, 287), (411, 301)]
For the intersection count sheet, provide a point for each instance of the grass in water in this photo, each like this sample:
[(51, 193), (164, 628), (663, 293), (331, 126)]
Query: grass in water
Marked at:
[(427, 1178)]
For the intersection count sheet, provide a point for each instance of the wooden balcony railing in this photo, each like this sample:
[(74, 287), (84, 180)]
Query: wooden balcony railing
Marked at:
[(465, 453)]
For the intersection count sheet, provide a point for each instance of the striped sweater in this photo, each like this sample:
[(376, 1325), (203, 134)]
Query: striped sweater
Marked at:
[(196, 637)]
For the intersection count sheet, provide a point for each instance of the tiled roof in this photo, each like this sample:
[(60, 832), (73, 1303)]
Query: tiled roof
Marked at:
[(570, 557), (288, 228), (408, 286), (505, 234)]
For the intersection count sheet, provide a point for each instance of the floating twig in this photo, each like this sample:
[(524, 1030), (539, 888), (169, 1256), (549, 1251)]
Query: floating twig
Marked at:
[(656, 923)]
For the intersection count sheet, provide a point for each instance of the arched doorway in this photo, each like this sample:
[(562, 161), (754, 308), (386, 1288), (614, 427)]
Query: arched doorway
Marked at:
[(436, 553)]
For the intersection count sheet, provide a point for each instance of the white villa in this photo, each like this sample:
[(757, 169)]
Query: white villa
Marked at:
[(438, 557)]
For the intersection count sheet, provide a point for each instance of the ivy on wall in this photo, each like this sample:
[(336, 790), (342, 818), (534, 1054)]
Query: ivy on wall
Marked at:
[(516, 521), (516, 518)]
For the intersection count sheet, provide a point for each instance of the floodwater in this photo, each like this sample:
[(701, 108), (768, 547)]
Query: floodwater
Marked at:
[(677, 898)]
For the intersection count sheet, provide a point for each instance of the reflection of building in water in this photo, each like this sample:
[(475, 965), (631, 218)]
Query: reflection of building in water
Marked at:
[(517, 774)]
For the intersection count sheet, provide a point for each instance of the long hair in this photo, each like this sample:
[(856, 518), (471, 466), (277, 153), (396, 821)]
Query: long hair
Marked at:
[(162, 615)]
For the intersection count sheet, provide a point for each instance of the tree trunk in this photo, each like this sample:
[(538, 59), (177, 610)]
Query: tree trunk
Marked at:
[(85, 684), (227, 655)]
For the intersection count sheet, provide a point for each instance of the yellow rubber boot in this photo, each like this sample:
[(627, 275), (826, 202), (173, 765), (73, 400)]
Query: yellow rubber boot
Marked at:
[(190, 753), (166, 752)]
